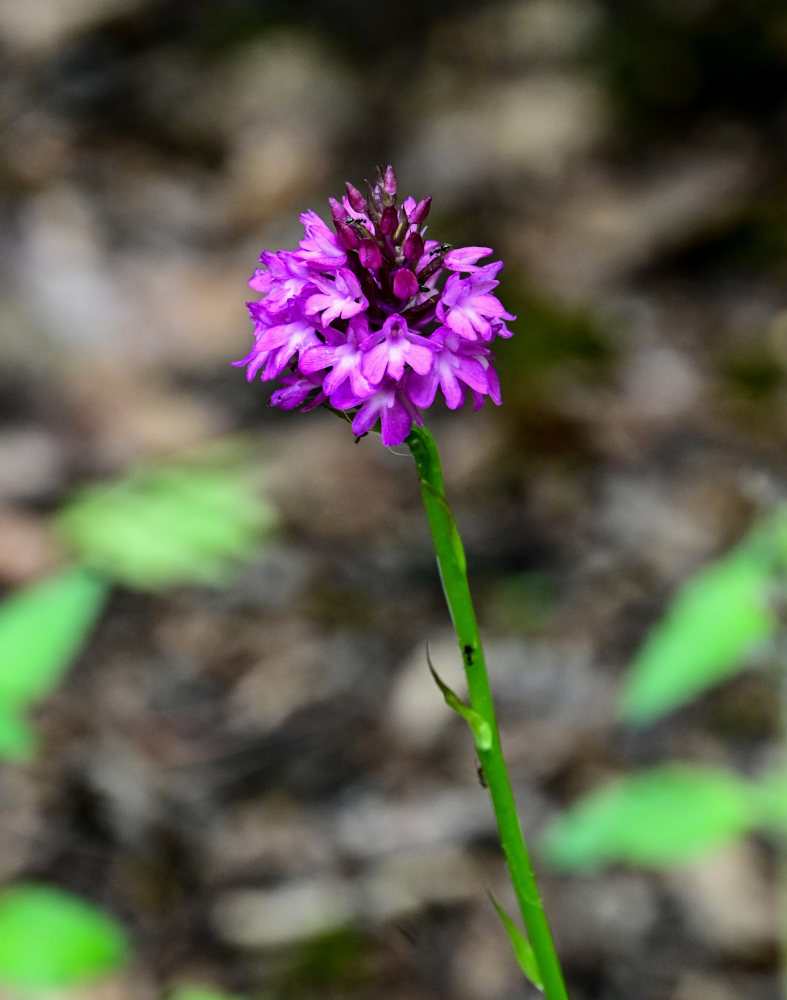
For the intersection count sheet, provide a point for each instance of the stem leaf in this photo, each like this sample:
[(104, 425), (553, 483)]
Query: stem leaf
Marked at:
[(482, 731), (522, 948)]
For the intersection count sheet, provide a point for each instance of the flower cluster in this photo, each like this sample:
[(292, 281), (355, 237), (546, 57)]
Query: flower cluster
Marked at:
[(372, 317)]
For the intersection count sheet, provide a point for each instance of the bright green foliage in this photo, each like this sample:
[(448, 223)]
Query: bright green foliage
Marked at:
[(42, 628), (661, 817), (771, 798), (522, 948), (198, 993), (160, 527), (50, 940), (17, 737), (718, 618)]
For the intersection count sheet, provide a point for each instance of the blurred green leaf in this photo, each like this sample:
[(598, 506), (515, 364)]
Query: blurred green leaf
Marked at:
[(52, 940), (661, 817), (42, 628), (771, 798), (17, 737), (198, 993), (716, 619), (523, 950), (166, 526)]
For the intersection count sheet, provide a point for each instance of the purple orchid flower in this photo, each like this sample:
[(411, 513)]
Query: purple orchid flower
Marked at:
[(373, 318)]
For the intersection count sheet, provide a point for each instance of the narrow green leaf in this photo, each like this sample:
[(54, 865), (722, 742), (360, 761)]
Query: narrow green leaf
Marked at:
[(522, 948), (51, 940), (661, 817), (160, 527), (715, 621), (482, 731), (42, 628)]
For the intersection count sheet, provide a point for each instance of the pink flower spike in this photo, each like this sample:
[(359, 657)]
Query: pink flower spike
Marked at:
[(373, 318)]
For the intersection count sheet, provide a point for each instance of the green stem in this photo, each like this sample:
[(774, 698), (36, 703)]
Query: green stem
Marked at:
[(781, 841), (453, 572)]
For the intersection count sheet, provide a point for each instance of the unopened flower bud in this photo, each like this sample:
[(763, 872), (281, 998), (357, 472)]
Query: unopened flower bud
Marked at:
[(355, 198), (389, 180), (369, 254), (389, 220), (338, 213), (413, 247), (405, 284), (421, 210), (348, 237)]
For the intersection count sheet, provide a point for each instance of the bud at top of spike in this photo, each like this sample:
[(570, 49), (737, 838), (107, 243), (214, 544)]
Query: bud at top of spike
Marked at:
[(355, 198), (421, 210), (389, 180), (338, 213)]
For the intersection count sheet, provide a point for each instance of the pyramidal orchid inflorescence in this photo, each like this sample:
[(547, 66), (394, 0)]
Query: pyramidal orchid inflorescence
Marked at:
[(372, 318)]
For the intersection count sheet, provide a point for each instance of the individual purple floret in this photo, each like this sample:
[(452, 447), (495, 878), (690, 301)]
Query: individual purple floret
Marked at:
[(373, 318)]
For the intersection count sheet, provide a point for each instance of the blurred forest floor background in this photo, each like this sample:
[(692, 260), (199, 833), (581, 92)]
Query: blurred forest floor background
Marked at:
[(260, 779)]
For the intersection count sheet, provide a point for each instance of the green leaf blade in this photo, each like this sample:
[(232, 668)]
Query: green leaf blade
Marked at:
[(51, 940), (718, 618), (661, 817)]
